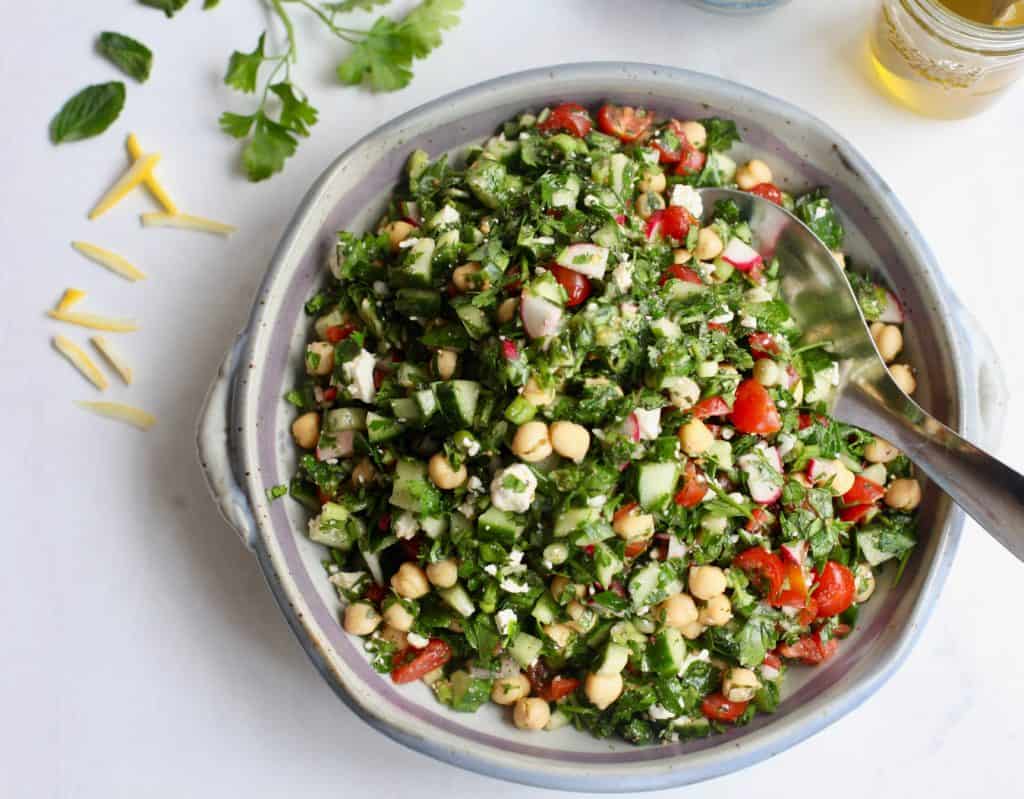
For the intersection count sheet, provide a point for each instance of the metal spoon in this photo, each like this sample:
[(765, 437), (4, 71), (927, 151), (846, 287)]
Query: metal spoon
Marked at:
[(824, 305)]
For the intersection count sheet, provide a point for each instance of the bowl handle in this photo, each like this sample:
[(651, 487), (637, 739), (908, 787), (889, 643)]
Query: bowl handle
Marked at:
[(216, 451), (985, 375)]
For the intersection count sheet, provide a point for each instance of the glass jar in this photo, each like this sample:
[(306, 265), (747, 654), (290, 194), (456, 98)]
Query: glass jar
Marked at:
[(941, 64)]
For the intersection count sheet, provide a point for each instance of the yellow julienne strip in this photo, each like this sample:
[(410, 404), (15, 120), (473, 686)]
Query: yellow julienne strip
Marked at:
[(82, 362), (113, 359), (156, 188), (95, 322), (71, 297), (187, 222), (135, 175), (112, 261), (123, 413)]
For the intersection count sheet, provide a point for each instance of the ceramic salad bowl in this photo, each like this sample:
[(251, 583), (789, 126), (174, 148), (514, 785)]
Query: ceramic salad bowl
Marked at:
[(245, 445)]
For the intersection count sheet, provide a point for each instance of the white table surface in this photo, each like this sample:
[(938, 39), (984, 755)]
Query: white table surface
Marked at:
[(142, 654)]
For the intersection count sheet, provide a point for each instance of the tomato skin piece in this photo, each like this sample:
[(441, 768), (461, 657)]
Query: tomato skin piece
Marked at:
[(636, 548), (680, 272), (676, 222), (624, 511), (810, 650), (571, 118), (694, 487), (772, 661), (577, 286), (762, 345), (856, 514), (691, 161), (768, 191), (624, 122), (336, 333), (435, 654), (717, 708), (754, 410), (835, 590), (764, 570), (711, 406), (758, 519), (863, 492), (558, 688)]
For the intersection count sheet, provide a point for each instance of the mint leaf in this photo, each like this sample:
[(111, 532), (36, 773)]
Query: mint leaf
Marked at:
[(88, 113), (243, 68), (169, 7), (130, 56), (722, 134), (296, 113), (270, 147)]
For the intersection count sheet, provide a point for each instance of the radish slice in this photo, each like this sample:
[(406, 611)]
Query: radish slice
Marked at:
[(741, 255), (631, 427), (763, 467), (343, 447), (893, 313), (587, 259), (540, 317), (653, 228), (509, 349), (795, 551)]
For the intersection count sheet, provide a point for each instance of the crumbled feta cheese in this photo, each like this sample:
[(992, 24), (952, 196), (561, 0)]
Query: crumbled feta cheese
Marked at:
[(748, 322), (405, 525), (417, 641), (407, 243), (491, 569), (623, 277), (359, 374), (346, 580), (648, 422), (689, 198), (708, 495), (659, 713), (503, 619), (724, 317), (728, 433), (597, 502), (467, 509), (785, 444), (515, 556), (676, 548), (510, 499), (769, 673), (473, 449), (474, 485), (446, 216), (512, 587)]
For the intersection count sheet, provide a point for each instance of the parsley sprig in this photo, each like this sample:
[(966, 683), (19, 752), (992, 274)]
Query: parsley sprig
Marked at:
[(381, 56)]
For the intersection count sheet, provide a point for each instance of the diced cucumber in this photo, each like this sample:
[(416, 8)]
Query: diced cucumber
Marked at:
[(459, 601), (644, 584), (333, 318), (597, 530), (419, 303), (614, 659), (557, 720), (667, 653), (546, 610), (871, 541), (331, 528), (344, 419), (624, 632), (457, 400), (405, 409), (566, 195), (607, 235), (556, 554), (416, 269), (426, 400), (520, 410), (382, 428), (459, 525), (525, 649), (573, 519), (681, 289), (498, 525), (411, 375), (721, 452), (433, 526), (368, 313), (501, 148), (549, 288), (407, 471), (621, 173), (656, 483), (606, 564), (489, 181), (474, 320)]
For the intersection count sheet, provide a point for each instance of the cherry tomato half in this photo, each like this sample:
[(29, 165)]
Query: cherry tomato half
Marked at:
[(411, 664), (636, 548), (768, 191), (710, 406), (336, 333), (759, 519), (624, 122), (676, 222), (764, 570), (680, 272), (694, 487), (856, 514), (558, 688), (754, 410), (835, 590), (569, 117), (762, 345), (691, 160), (863, 492), (810, 650), (577, 286), (717, 708)]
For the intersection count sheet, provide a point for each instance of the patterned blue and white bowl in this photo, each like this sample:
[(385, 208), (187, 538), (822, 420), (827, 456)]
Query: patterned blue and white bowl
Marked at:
[(245, 445)]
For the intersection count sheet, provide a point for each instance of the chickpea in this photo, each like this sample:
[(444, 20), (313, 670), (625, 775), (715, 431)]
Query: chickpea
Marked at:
[(633, 526), (903, 494), (709, 245), (446, 361), (767, 372), (693, 630), (707, 581), (888, 339), (560, 585), (681, 256), (648, 203), (679, 611), (695, 438), (444, 573), (753, 173), (904, 377), (399, 638), (363, 473), (576, 610), (538, 396), (398, 232), (716, 612), (410, 581), (531, 442), (531, 713), (864, 580), (740, 685), (320, 358), (560, 634), (462, 277), (570, 440), (880, 451), (653, 182), (443, 475), (306, 430), (395, 615), (361, 618), (603, 689), (695, 133), (507, 310), (509, 690)]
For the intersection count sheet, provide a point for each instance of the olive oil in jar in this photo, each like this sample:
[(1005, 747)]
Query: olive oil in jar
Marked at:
[(988, 12), (935, 57)]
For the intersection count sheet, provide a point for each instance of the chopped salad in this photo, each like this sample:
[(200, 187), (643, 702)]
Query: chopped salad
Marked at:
[(561, 444)]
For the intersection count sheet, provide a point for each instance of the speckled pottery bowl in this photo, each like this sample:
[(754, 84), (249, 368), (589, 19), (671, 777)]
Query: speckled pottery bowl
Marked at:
[(245, 445)]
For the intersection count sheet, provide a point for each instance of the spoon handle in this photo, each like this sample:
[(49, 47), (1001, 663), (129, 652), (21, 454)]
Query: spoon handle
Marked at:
[(986, 488)]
